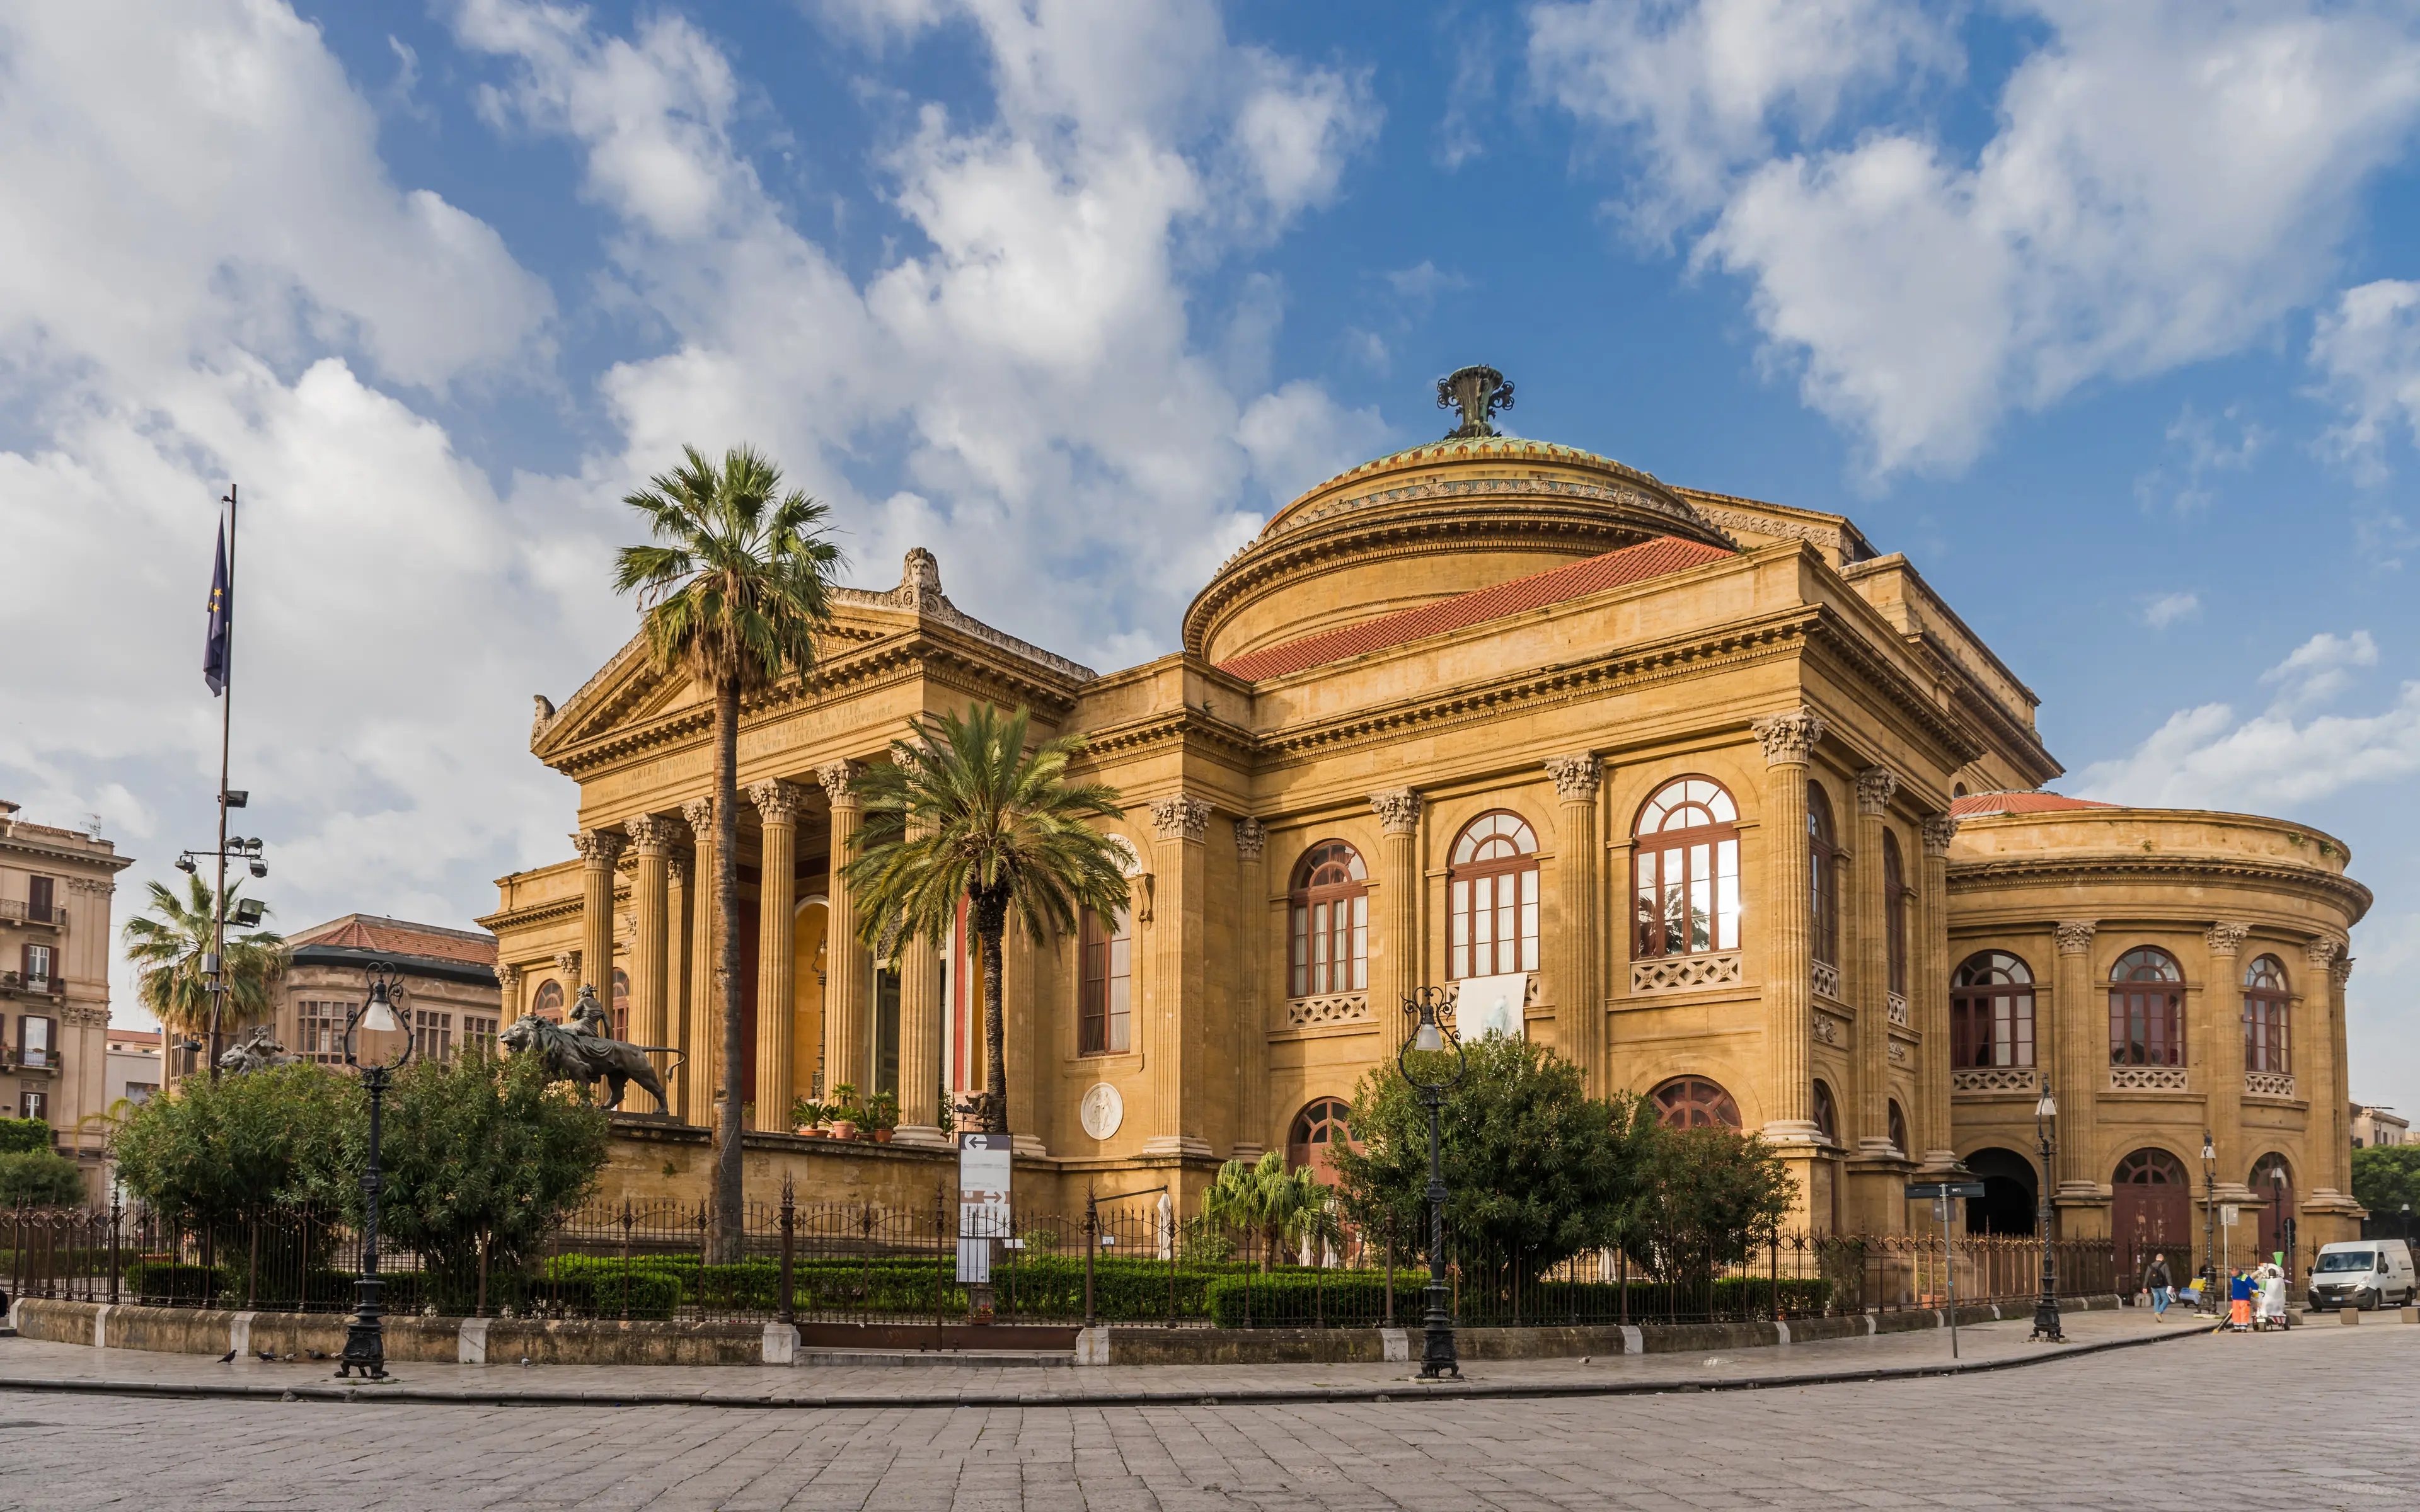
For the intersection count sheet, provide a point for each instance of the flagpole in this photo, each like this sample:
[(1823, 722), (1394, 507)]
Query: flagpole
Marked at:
[(227, 725)]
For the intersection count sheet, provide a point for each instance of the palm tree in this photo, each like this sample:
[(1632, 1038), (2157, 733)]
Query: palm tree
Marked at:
[(734, 595), (166, 944), (1279, 1204), (963, 810)]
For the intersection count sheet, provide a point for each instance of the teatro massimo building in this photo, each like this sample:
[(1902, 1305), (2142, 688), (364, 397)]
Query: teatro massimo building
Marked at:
[(1711, 795)]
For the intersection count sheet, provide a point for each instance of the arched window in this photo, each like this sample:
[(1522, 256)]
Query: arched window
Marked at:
[(1823, 874), (1898, 1127), (621, 1004), (2266, 1006), (1493, 893), (1991, 1012), (2151, 1167), (2146, 1010), (1105, 1013), (549, 1002), (1693, 1102), (1330, 947), (1827, 1116), (1895, 914), (1688, 898), (1317, 1129)]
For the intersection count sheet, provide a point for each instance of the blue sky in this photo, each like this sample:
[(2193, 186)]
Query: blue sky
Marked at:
[(2105, 314)]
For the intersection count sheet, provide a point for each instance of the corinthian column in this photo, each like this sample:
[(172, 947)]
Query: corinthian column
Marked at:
[(1876, 785), (777, 951), (2216, 1032), (1789, 739), (1173, 997), (2083, 1059), (847, 993), (2340, 1075), (920, 1042), (2320, 1051), (653, 837), (1578, 994), (508, 994), (598, 850), (1931, 992), (1251, 1032), (1397, 965), (700, 1071)]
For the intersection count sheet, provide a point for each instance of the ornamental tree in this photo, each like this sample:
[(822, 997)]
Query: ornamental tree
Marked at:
[(215, 1150)]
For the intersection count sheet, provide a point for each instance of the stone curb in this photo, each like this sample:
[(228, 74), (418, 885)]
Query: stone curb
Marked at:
[(1374, 1391)]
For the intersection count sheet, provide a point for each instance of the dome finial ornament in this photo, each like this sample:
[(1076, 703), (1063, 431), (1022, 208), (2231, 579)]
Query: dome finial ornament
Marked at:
[(1479, 393)]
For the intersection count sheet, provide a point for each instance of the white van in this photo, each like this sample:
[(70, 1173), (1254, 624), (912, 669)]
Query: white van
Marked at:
[(2363, 1274)]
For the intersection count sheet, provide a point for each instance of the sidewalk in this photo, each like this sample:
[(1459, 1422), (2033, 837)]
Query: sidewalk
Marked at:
[(31, 1365)]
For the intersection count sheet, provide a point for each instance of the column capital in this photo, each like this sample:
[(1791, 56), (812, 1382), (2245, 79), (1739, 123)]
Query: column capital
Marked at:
[(2076, 935), (676, 865), (836, 778), (598, 847), (1251, 838), (508, 978), (2225, 938), (698, 813), (777, 801), (2341, 972), (1790, 736), (1876, 786), (567, 962), (2322, 951), (1180, 817), (1939, 830), (1575, 776), (1399, 810), (653, 835)]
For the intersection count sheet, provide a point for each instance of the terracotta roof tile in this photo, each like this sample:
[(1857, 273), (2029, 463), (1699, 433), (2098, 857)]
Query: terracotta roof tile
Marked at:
[(1975, 805), (1577, 579), (396, 936)]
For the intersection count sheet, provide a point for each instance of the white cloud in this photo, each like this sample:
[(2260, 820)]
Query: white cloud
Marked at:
[(2200, 446), (2368, 350), (2207, 758), (2165, 182), (2168, 608)]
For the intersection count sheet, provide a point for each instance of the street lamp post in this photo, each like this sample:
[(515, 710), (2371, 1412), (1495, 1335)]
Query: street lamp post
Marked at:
[(365, 1335), (2046, 1308), (247, 913), (2285, 1237), (1431, 1038), (2208, 1222)]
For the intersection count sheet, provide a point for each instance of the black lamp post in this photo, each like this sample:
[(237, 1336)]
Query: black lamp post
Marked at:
[(2046, 1308), (231, 848), (365, 1335), (1431, 1038), (2285, 1237), (2209, 1223)]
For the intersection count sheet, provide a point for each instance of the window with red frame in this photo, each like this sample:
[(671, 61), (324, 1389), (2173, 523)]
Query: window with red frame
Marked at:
[(1991, 1012), (1492, 893), (1104, 1016), (2146, 1010), (2267, 1004), (1687, 901), (1329, 941)]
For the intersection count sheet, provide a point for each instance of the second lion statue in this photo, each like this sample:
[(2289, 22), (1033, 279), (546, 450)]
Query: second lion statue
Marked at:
[(586, 1057)]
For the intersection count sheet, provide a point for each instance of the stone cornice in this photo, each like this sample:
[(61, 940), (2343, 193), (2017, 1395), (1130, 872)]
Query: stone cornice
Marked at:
[(1831, 633), (53, 854), (1976, 701), (1187, 726), (1976, 877)]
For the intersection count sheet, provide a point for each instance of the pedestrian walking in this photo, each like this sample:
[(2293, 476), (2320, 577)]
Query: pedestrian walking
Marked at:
[(2159, 1283)]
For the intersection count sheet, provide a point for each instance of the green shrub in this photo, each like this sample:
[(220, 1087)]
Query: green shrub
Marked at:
[(18, 1135), (1303, 1299), (173, 1283), (1349, 1298), (39, 1178)]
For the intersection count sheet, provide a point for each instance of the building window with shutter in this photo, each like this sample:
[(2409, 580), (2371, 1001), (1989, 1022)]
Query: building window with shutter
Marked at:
[(35, 1105), (1105, 1009), (35, 962), (39, 900), (37, 1041)]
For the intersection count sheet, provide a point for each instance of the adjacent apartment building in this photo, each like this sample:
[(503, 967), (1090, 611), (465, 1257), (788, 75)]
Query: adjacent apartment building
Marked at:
[(55, 946), (445, 986)]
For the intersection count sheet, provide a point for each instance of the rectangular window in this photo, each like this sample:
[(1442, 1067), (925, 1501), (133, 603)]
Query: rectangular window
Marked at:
[(319, 1031), (2145, 1027), (37, 1041), (2264, 1035), (139, 1093), (886, 1032), (1458, 927), (35, 1105), (479, 1033), (1688, 900), (39, 900), (1104, 1016), (1299, 982), (37, 966), (432, 1034)]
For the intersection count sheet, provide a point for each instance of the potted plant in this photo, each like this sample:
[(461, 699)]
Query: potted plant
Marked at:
[(807, 1116), (882, 1113), (843, 1111)]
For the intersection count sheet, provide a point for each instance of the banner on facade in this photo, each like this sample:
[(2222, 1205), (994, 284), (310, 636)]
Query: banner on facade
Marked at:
[(1491, 1004), (985, 1166)]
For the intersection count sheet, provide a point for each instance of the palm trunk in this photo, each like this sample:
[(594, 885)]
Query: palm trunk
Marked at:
[(729, 1214), (990, 918)]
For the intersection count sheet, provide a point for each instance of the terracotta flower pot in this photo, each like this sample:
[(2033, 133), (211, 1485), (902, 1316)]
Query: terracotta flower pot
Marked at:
[(882, 1136), (844, 1128)]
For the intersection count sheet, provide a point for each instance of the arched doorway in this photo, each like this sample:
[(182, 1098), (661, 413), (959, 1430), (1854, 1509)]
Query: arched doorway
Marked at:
[(2272, 1188), (1317, 1129), (2010, 1198), (2152, 1213)]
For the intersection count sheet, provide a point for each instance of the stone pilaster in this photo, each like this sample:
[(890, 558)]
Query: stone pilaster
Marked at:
[(2217, 1053), (2081, 1046), (1789, 740), (680, 899), (2340, 1075), (1395, 952), (2322, 1048), (701, 1073), (1251, 1031), (1173, 996), (567, 963), (1936, 1131), (778, 804), (848, 992), (508, 991), (1575, 981), (652, 838), (1876, 786), (920, 1043), (598, 850)]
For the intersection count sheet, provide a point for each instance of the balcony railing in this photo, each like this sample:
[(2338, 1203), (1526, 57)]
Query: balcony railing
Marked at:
[(19, 982), (19, 908), (2146, 1079), (2268, 1084), (1976, 1080)]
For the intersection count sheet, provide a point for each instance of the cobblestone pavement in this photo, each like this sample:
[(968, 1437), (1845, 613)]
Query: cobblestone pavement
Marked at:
[(30, 1361), (2313, 1419)]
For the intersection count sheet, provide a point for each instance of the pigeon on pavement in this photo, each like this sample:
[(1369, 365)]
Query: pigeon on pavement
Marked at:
[(227, 1358)]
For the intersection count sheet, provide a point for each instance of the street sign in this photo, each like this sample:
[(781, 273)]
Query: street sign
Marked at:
[(984, 1173), (2228, 1212), (1918, 1190)]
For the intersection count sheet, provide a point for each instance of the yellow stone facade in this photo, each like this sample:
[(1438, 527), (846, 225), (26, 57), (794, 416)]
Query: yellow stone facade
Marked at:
[(1477, 628)]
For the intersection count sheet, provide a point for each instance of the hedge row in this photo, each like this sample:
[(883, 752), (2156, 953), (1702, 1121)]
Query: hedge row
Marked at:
[(1303, 1299)]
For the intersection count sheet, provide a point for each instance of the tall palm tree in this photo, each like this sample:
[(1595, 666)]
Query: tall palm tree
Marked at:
[(963, 810), (734, 595), (167, 943)]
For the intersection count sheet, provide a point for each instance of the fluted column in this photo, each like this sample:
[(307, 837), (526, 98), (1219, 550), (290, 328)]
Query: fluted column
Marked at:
[(2340, 1067), (1938, 1134), (920, 1042), (1876, 786), (2216, 1052), (702, 1070), (1252, 1030), (1789, 740), (2321, 1046), (652, 837), (509, 995), (678, 896), (1174, 993), (777, 951), (1396, 964), (849, 998), (2082, 1052), (598, 850), (1578, 990)]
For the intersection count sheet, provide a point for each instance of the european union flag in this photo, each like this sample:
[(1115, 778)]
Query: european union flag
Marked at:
[(214, 649)]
